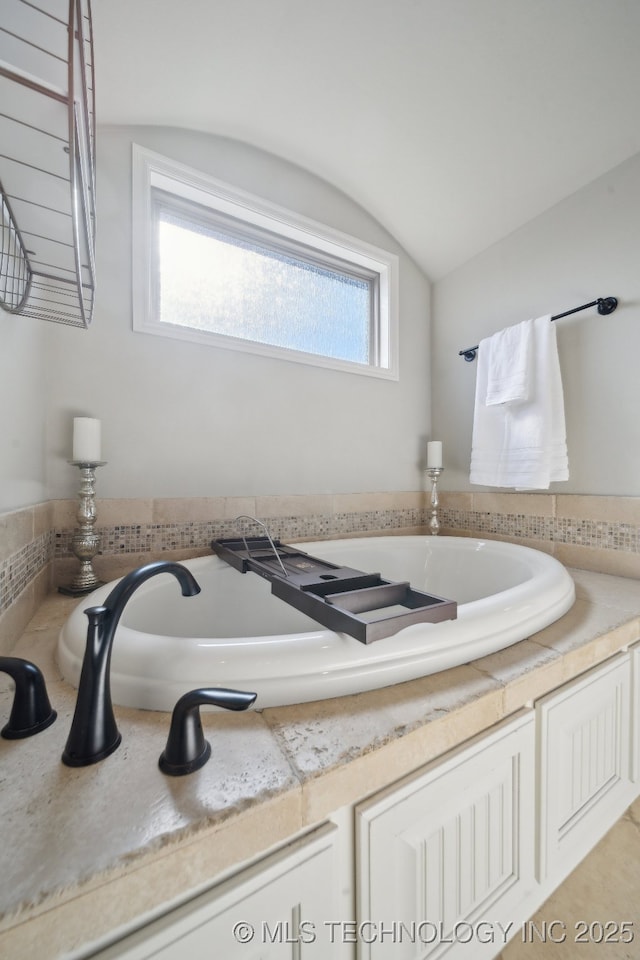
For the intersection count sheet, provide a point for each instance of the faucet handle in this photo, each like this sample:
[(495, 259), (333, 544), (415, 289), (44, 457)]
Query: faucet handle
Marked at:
[(31, 711), (186, 749)]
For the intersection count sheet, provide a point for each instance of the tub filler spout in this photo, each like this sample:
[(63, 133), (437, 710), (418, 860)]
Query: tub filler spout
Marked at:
[(94, 734)]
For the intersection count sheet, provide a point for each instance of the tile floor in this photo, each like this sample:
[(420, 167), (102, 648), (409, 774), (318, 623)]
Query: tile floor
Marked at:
[(604, 888)]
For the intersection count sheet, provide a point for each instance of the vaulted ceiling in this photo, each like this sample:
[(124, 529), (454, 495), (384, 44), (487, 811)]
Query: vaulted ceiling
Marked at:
[(453, 122)]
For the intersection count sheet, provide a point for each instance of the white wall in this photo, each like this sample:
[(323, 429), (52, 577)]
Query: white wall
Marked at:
[(184, 420), (588, 246), (23, 372)]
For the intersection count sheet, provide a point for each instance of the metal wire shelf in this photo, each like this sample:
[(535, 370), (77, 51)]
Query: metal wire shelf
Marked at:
[(47, 161)]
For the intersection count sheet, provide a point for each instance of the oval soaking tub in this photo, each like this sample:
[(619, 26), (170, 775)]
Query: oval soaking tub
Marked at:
[(236, 634)]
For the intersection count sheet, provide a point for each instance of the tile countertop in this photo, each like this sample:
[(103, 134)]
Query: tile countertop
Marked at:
[(86, 851)]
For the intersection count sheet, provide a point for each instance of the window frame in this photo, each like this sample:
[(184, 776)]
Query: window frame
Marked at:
[(154, 173)]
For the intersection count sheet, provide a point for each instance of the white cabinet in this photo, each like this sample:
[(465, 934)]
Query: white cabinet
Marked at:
[(584, 735), (450, 861), (446, 858), (635, 713), (275, 910)]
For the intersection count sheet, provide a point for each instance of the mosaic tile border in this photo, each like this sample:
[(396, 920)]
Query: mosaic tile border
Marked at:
[(158, 537), (22, 567), (596, 534)]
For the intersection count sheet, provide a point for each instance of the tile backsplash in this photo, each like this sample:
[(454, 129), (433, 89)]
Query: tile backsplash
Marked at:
[(592, 533), (26, 553), (595, 533)]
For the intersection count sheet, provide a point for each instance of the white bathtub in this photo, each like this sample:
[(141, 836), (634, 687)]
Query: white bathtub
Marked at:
[(236, 634)]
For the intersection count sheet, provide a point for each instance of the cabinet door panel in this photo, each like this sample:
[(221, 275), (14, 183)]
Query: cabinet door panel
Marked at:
[(450, 848), (274, 910), (585, 785), (635, 715)]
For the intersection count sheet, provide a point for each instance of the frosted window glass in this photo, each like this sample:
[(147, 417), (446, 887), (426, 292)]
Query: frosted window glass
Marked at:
[(239, 287)]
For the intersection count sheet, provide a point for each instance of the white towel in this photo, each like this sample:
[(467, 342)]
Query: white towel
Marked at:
[(509, 371), (522, 445)]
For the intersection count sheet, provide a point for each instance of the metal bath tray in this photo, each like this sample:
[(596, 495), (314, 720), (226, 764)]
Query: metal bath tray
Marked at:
[(363, 605)]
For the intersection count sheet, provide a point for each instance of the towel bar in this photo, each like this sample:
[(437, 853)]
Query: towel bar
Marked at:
[(606, 305)]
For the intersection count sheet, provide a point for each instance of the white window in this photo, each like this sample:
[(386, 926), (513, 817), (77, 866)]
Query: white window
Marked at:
[(217, 265)]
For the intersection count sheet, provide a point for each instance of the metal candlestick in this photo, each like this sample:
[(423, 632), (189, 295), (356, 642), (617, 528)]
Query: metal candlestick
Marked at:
[(85, 542), (434, 475)]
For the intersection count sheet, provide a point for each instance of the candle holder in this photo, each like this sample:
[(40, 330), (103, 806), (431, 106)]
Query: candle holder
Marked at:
[(434, 475), (85, 542)]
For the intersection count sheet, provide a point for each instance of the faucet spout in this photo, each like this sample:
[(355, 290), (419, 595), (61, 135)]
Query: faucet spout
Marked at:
[(94, 734)]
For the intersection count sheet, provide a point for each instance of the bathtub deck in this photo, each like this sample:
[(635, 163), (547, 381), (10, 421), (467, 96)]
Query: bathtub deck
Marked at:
[(90, 849)]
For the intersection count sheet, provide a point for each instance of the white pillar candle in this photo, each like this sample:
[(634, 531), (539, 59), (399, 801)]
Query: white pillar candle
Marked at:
[(86, 440), (434, 454)]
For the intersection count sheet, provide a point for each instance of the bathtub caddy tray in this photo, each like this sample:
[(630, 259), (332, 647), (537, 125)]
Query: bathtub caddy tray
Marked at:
[(363, 605)]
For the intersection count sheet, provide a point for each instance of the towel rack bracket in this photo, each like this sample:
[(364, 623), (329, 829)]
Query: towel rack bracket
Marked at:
[(607, 305)]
